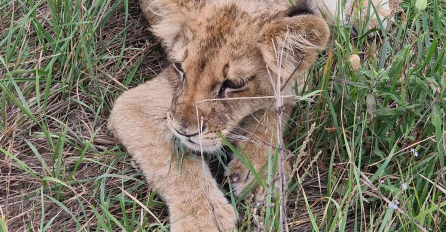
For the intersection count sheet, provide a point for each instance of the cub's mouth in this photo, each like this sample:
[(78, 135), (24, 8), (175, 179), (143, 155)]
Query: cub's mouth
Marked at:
[(193, 142), (209, 141)]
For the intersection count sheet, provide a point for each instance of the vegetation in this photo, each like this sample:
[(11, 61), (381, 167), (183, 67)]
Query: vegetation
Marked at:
[(368, 147)]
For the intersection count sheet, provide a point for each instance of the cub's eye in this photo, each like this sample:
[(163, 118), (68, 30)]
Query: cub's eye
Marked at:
[(233, 85)]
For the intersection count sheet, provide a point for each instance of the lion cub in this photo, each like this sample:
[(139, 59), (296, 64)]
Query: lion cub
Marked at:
[(218, 49)]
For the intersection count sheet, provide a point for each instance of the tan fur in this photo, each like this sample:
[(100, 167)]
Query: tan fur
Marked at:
[(216, 43)]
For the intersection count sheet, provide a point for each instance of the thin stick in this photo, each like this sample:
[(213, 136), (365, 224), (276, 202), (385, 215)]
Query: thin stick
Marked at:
[(279, 110)]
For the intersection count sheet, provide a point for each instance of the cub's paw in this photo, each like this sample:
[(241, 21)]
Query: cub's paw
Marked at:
[(212, 213), (220, 217), (240, 176), (243, 179)]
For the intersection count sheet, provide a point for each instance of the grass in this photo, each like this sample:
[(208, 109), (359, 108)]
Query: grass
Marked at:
[(369, 152)]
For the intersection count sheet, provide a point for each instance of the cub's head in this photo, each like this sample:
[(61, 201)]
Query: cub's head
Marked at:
[(230, 49)]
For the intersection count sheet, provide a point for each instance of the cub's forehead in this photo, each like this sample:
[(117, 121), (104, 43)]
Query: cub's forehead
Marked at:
[(218, 34), (244, 68), (216, 24), (220, 30)]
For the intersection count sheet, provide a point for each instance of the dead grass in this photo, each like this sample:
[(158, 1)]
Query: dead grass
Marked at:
[(71, 110)]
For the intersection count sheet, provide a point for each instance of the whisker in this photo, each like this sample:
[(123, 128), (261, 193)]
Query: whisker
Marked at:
[(253, 136)]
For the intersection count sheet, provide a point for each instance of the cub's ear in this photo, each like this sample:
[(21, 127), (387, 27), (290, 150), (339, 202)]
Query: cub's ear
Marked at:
[(291, 43), (166, 20)]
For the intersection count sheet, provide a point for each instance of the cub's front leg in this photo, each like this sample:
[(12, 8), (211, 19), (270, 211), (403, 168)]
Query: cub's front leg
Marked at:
[(261, 131), (138, 120)]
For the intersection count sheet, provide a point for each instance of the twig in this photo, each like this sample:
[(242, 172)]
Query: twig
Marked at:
[(279, 110), (113, 79)]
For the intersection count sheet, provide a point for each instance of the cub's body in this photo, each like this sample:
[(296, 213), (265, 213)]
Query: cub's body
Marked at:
[(218, 50)]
